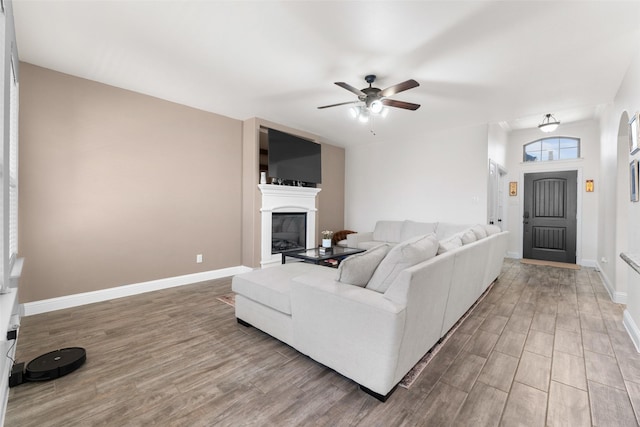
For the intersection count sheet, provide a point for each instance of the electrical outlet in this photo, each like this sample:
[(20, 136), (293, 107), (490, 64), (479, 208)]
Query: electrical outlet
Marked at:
[(199, 258)]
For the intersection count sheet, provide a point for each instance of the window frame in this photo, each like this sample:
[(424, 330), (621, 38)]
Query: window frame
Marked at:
[(9, 90), (558, 149)]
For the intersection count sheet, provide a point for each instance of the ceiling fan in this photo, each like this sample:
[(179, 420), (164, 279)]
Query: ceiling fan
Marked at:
[(375, 98)]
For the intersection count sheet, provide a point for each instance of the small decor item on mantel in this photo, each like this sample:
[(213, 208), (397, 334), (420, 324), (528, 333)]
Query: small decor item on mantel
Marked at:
[(326, 238)]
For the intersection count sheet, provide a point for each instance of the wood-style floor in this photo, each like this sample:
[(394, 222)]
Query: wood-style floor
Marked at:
[(546, 346)]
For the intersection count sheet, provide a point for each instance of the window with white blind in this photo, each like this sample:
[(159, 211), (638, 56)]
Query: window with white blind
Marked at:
[(13, 164), (9, 93), (4, 107), (9, 307)]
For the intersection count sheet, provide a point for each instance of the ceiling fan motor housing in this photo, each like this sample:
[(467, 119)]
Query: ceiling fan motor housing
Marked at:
[(370, 95)]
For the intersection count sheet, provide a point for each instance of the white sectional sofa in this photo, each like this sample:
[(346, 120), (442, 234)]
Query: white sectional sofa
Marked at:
[(377, 315)]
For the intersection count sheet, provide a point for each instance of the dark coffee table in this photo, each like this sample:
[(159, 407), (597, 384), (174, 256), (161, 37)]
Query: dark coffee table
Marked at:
[(314, 256)]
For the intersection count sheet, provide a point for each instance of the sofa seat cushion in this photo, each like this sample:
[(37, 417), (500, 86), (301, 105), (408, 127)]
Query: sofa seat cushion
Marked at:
[(358, 269), (271, 286), (400, 257)]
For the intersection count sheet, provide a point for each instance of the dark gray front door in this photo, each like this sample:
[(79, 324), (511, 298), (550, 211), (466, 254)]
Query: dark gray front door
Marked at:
[(550, 205)]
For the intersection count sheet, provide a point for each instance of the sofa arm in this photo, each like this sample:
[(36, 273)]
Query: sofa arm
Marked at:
[(353, 330), (354, 239)]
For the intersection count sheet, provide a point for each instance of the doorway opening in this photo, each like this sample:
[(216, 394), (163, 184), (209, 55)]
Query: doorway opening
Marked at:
[(495, 204)]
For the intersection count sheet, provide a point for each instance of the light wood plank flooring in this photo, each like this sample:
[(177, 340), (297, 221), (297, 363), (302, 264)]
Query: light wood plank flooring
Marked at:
[(546, 346)]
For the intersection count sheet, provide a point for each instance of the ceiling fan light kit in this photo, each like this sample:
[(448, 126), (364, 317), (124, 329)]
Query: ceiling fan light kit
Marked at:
[(363, 114), (549, 123), (372, 100), (376, 106)]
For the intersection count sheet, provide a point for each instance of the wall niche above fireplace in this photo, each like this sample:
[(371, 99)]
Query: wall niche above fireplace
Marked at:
[(255, 160)]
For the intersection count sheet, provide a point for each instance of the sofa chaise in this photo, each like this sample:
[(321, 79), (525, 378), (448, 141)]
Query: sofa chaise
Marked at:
[(381, 311)]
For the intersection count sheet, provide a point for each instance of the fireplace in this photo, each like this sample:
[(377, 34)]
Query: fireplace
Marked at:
[(298, 205), (288, 231)]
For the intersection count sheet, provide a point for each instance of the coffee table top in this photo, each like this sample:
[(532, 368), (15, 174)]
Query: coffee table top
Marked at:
[(314, 254)]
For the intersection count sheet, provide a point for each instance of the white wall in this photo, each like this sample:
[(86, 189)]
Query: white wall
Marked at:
[(609, 224), (619, 229), (498, 141), (440, 176), (587, 167)]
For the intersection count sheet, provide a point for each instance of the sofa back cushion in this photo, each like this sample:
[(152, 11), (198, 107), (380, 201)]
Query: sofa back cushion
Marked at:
[(448, 229), (400, 257), (468, 236), (479, 231), (492, 229), (449, 244), (387, 231), (413, 229), (358, 269)]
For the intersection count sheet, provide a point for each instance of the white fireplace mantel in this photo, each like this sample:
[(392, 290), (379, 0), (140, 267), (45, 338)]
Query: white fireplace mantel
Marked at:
[(283, 198)]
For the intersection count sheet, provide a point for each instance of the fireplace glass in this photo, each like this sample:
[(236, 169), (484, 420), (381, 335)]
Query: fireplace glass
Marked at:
[(288, 231)]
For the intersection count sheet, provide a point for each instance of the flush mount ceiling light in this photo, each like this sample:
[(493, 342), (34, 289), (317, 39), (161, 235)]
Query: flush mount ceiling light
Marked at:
[(549, 123)]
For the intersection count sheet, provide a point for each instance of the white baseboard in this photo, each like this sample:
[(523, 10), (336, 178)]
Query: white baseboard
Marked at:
[(589, 263), (617, 297), (632, 329), (514, 255), (68, 301)]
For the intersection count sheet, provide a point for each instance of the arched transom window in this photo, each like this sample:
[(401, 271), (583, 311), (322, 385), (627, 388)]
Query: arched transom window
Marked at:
[(553, 148)]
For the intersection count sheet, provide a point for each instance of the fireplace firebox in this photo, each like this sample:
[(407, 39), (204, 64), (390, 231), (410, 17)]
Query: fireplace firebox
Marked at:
[(288, 231)]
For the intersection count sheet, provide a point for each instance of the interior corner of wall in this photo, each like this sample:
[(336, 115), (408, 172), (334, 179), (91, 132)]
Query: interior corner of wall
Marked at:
[(616, 296)]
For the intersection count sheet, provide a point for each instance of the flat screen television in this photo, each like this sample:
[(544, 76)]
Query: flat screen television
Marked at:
[(292, 158)]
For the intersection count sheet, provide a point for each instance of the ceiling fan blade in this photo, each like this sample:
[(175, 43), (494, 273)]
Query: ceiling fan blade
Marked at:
[(400, 104), (392, 90), (335, 105), (350, 88)]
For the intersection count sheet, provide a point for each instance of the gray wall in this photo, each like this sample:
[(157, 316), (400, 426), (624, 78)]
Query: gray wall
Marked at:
[(120, 188)]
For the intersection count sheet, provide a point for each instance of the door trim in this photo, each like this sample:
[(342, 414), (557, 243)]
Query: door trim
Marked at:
[(579, 194)]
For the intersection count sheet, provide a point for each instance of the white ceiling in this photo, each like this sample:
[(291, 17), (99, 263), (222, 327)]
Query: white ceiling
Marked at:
[(477, 62)]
